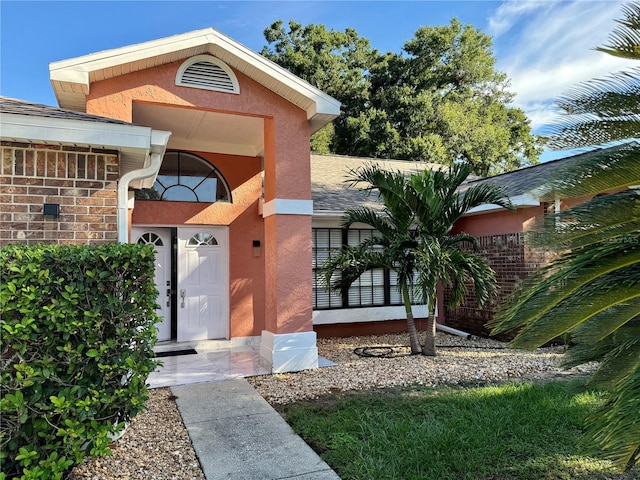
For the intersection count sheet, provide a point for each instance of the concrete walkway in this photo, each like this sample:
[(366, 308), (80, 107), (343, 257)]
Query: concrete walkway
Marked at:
[(238, 435)]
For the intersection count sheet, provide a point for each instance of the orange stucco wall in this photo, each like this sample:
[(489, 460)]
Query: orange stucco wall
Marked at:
[(499, 222), (284, 264), (288, 300), (286, 126), (503, 222)]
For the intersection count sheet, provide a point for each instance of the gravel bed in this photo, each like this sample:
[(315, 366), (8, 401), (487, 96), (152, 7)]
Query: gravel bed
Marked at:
[(477, 361), (156, 446)]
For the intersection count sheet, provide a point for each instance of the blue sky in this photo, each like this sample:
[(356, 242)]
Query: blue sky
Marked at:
[(544, 46)]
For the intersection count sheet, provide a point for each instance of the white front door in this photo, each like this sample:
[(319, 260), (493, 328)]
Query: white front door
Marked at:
[(160, 238), (203, 283)]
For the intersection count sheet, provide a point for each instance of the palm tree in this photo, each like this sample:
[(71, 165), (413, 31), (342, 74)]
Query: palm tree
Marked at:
[(592, 290), (413, 239)]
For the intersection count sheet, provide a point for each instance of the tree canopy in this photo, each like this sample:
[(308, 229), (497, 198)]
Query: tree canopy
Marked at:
[(439, 100)]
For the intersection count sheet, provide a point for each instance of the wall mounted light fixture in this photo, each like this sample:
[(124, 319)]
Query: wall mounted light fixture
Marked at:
[(256, 248), (51, 210)]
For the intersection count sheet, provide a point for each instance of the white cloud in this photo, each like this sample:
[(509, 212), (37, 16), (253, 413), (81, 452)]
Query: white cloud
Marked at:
[(508, 14), (546, 47)]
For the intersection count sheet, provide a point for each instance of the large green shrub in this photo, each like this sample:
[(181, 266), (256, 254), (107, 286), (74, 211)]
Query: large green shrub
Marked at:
[(76, 343)]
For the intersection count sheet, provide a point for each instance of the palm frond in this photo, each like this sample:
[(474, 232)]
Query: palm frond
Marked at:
[(604, 292), (581, 352), (592, 291), (615, 427), (469, 269), (482, 194), (413, 234), (351, 262), (614, 218), (371, 177), (613, 96), (594, 172), (374, 218), (441, 261), (392, 192), (438, 203), (542, 292), (624, 41), (604, 324), (622, 357), (587, 130), (461, 238)]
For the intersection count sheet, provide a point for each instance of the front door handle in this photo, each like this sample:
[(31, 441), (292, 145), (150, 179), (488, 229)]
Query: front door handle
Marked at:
[(168, 297), (183, 293)]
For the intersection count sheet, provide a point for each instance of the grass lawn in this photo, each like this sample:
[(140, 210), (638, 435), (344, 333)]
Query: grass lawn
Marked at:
[(508, 432)]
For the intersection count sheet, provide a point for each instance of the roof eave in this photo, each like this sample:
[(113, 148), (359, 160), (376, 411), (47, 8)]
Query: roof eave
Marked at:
[(133, 142), (518, 201)]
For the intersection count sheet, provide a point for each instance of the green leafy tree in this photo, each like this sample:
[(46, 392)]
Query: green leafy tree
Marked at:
[(448, 103), (412, 238), (591, 292), (333, 61), (440, 99)]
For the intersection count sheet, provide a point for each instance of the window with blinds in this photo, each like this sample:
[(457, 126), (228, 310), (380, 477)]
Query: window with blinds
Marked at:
[(376, 287), (325, 241)]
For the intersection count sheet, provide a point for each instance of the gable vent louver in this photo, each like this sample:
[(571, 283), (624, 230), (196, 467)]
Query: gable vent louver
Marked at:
[(207, 74)]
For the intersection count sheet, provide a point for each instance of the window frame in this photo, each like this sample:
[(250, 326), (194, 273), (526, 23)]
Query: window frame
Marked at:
[(214, 173), (319, 292)]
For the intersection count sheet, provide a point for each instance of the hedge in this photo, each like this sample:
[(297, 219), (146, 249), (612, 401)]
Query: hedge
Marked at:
[(77, 330)]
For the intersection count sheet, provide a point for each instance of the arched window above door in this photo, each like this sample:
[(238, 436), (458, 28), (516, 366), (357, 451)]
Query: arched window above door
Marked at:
[(202, 238), (185, 177), (150, 238)]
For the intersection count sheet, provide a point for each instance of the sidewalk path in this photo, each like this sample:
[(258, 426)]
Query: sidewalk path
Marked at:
[(238, 435)]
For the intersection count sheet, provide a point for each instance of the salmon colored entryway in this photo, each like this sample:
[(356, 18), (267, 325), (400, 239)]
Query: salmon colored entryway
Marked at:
[(252, 127)]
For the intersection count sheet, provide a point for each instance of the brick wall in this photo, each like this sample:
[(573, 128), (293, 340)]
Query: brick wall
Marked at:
[(512, 261), (82, 180)]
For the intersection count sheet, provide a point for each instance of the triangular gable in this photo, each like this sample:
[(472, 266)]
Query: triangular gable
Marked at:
[(71, 79)]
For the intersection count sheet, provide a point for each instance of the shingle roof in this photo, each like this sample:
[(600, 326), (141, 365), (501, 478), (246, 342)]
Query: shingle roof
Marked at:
[(22, 107), (530, 180), (329, 191), (331, 194)]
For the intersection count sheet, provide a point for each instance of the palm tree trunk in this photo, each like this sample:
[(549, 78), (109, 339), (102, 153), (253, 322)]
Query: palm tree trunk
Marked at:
[(429, 347), (411, 326)]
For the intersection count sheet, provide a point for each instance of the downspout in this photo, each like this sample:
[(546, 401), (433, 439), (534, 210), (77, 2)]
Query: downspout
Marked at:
[(123, 193), (453, 331)]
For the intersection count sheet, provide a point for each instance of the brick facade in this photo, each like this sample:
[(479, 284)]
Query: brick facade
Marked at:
[(83, 181), (512, 261)]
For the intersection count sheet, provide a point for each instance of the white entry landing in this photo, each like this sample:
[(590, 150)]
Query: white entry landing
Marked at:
[(215, 360)]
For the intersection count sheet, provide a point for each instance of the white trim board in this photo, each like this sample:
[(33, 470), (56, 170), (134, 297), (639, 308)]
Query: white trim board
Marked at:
[(284, 206), (367, 314), (74, 132), (524, 200), (289, 352)]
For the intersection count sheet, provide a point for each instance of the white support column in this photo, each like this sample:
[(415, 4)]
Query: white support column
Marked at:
[(289, 352)]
